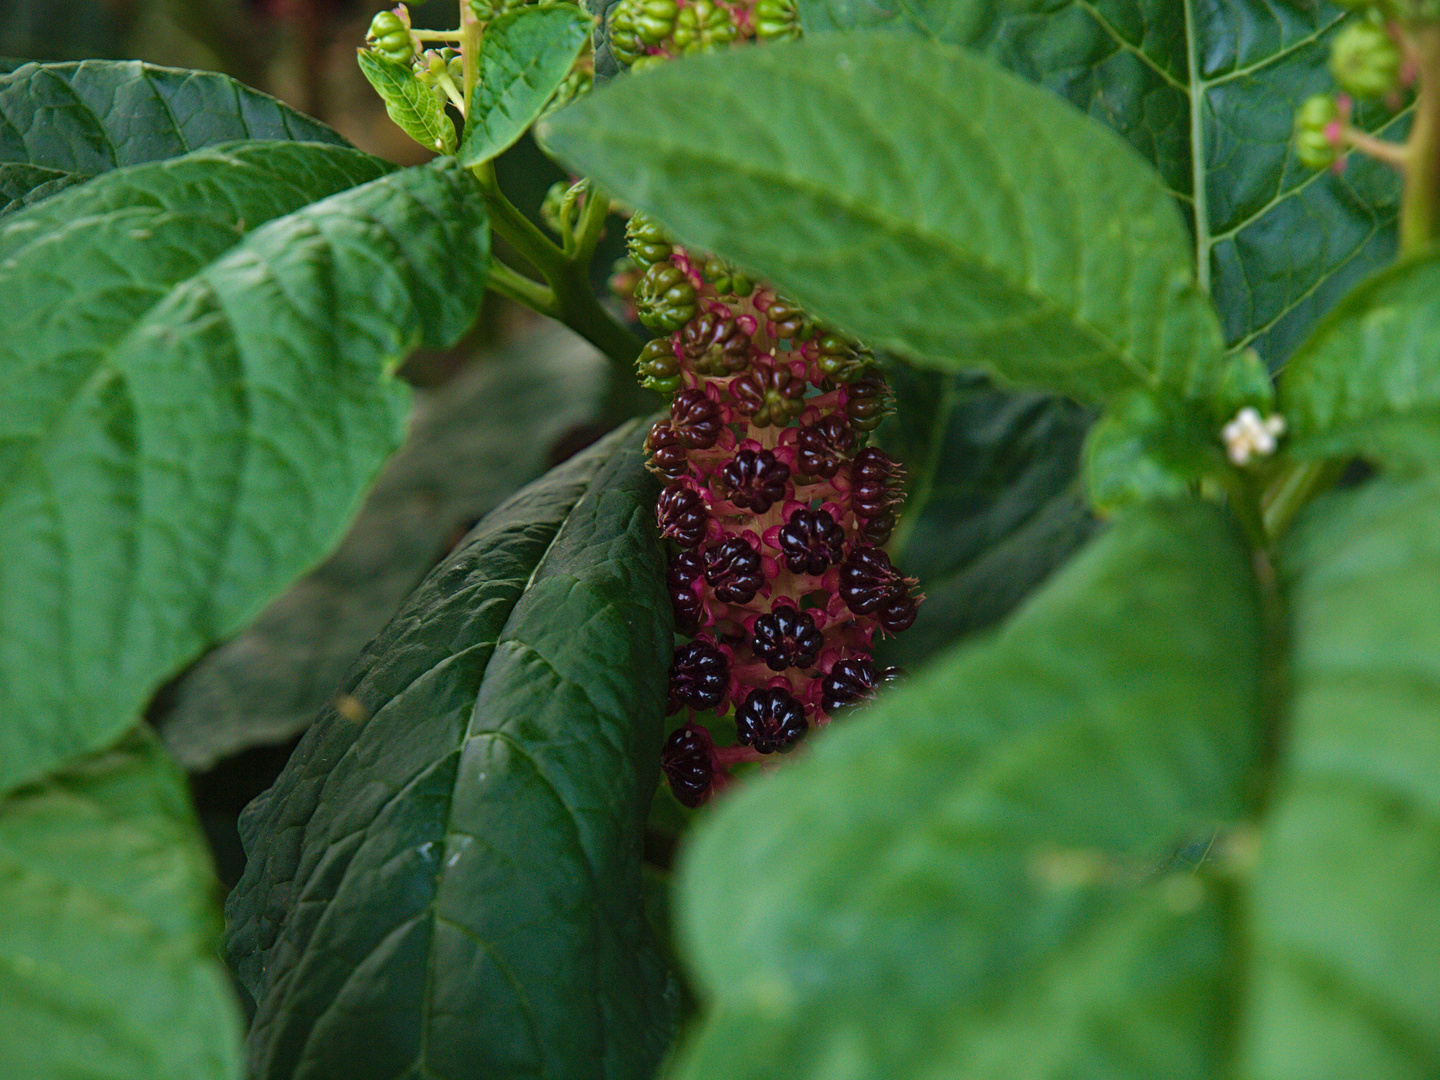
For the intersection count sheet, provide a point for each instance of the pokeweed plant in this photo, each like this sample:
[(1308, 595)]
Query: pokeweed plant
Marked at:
[(1173, 817)]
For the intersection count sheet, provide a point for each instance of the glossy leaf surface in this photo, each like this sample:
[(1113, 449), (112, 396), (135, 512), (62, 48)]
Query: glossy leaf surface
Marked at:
[(524, 58), (409, 102), (445, 881), (108, 928), (1207, 93), (963, 879), (920, 198), (96, 115), (1347, 895), (196, 407)]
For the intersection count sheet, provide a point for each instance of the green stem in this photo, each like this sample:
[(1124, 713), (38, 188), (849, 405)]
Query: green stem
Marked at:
[(516, 286), (1420, 202), (1294, 488), (470, 33), (586, 234)]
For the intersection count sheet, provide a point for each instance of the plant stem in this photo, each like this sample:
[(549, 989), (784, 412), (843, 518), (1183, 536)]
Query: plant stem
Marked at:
[(516, 286), (1294, 488), (1419, 212)]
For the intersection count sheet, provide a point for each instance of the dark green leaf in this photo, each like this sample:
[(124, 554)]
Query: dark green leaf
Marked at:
[(20, 185), (108, 927), (918, 197), (445, 881), (1347, 894), (1208, 94), (194, 408), (947, 884), (524, 58), (409, 102), (1368, 380), (99, 114)]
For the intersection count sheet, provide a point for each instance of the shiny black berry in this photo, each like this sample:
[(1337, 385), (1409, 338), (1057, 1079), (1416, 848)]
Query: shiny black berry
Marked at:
[(872, 475), (679, 578), (898, 613), (811, 541), (699, 674), (850, 681), (755, 479), (865, 403), (877, 530), (787, 638), (682, 515), (688, 764), (822, 446), (733, 570), (696, 418), (868, 582), (770, 721), (667, 456)]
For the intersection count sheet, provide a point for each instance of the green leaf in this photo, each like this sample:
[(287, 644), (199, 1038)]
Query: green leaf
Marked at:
[(1368, 380), (1149, 446), (446, 878), (97, 115), (919, 198), (21, 185), (108, 927), (1207, 93), (409, 102), (966, 879), (195, 408), (524, 57), (1346, 976)]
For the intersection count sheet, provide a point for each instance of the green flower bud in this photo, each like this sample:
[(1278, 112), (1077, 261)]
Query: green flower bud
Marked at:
[(659, 367), (665, 299), (841, 359), (389, 35), (645, 240), (1365, 60), (776, 20), (727, 280), (1313, 147), (703, 26)]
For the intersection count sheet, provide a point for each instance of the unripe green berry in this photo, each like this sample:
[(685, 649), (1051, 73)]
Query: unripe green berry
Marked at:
[(654, 20), (390, 37), (727, 280), (665, 298), (625, 40), (659, 367), (840, 359), (1313, 147), (551, 205), (485, 10), (704, 25), (787, 320), (1365, 60), (776, 20), (647, 63), (645, 240)]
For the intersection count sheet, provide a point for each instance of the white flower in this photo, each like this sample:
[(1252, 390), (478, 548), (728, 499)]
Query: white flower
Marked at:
[(1249, 435)]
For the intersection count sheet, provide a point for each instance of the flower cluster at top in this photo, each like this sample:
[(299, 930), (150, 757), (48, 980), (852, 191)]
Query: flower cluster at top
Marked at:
[(776, 508)]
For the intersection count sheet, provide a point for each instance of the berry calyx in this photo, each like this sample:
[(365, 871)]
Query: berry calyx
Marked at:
[(771, 720)]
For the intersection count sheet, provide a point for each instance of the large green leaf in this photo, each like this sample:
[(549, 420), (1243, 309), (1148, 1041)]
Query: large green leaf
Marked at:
[(524, 58), (1368, 380), (194, 406), (411, 104), (1207, 92), (1347, 896), (919, 197), (960, 882), (445, 881), (97, 115), (108, 927)]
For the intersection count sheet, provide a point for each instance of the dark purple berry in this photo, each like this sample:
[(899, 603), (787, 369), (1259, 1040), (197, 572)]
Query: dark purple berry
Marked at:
[(699, 675), (696, 418), (770, 721), (822, 446), (755, 479), (682, 515), (850, 681), (811, 541), (667, 456), (769, 395), (865, 403), (871, 476), (787, 638), (688, 764), (867, 580), (899, 613), (733, 570), (680, 577), (877, 530), (787, 320), (715, 344)]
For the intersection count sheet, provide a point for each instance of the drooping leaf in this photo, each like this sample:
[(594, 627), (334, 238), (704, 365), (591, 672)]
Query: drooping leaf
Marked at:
[(959, 882), (1368, 380), (409, 102), (1208, 94), (108, 927), (524, 58), (194, 408), (446, 878), (920, 198), (1347, 893), (96, 115)]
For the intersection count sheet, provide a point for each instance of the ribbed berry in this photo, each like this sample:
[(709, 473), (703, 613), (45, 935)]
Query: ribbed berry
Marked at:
[(788, 320), (851, 680), (667, 456), (665, 298), (898, 613), (755, 479), (733, 570), (865, 403), (688, 763), (682, 515), (786, 638), (697, 419), (770, 720), (877, 530), (699, 674), (769, 394), (646, 241), (715, 344), (820, 447), (868, 581), (871, 475), (703, 25), (811, 541), (680, 578), (659, 367), (840, 359)]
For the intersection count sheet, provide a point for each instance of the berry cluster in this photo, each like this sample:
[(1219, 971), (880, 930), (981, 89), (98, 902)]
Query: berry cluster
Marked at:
[(775, 507), (646, 32)]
